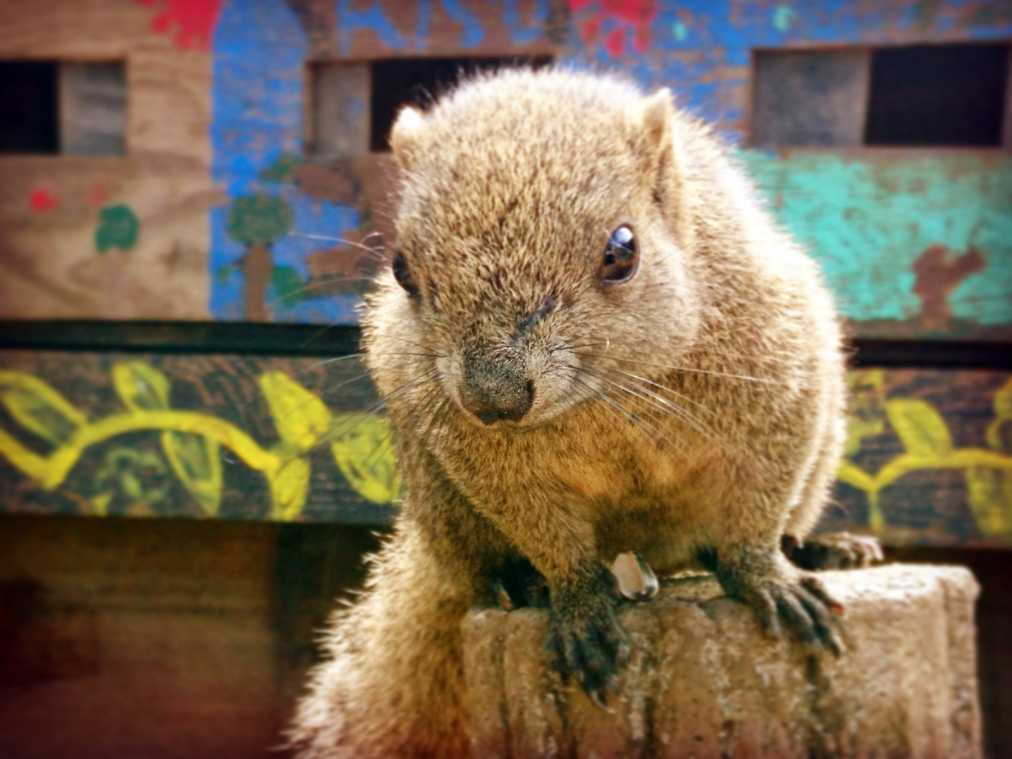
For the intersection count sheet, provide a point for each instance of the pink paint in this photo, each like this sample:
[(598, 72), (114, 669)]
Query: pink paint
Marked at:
[(42, 199), (191, 22), (623, 16)]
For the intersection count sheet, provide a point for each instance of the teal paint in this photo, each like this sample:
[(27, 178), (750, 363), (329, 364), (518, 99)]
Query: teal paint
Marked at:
[(680, 30), (867, 219), (783, 17)]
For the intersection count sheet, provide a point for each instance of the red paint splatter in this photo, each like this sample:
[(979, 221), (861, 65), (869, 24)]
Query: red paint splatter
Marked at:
[(631, 11), (588, 31), (622, 16), (615, 44), (938, 273), (42, 199), (193, 21), (97, 195)]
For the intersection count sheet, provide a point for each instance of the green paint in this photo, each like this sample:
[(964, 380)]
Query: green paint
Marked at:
[(118, 227), (282, 169), (783, 17), (259, 219), (288, 285), (680, 30), (868, 218)]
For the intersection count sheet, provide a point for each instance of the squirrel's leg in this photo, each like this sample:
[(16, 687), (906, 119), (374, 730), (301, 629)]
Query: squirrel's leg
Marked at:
[(751, 568), (585, 634)]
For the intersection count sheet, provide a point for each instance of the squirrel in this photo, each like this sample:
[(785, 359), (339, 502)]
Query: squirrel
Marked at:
[(592, 339)]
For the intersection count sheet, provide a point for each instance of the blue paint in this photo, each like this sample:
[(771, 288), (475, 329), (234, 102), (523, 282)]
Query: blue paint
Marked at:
[(423, 25), (471, 33), (522, 33), (350, 21), (257, 106)]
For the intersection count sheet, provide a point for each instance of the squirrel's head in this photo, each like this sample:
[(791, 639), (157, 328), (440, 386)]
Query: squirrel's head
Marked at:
[(542, 241)]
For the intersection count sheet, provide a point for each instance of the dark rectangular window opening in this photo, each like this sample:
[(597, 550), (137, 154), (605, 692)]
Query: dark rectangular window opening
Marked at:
[(420, 81), (945, 95), (63, 108), (914, 96), (28, 111)]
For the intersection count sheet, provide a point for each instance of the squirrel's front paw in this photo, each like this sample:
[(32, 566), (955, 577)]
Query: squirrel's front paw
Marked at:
[(585, 635), (780, 593)]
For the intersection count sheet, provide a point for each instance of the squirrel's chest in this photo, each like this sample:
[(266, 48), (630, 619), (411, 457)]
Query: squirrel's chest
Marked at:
[(600, 467)]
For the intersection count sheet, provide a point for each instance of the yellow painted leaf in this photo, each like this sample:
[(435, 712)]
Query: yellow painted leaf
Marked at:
[(196, 462), (989, 492), (38, 407), (854, 476), (194, 459), (364, 453), (919, 426), (140, 386), (289, 487), (299, 416), (1003, 401), (100, 504), (858, 429)]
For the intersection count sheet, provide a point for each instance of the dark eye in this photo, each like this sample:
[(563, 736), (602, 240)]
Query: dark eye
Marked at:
[(621, 258), (403, 276)]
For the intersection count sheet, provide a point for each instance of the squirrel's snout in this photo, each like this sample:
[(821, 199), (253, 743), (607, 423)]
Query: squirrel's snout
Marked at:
[(493, 391)]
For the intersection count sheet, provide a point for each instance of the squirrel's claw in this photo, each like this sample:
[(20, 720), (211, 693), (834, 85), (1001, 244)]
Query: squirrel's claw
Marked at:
[(586, 637), (779, 594)]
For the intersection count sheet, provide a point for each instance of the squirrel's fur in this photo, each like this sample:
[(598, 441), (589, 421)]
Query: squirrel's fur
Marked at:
[(694, 412)]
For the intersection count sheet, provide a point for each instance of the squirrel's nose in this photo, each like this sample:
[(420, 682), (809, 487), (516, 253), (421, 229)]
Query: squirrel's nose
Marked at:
[(494, 393)]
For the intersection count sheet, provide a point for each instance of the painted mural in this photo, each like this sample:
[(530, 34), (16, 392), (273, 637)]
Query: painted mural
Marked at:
[(192, 445), (224, 209), (887, 274), (240, 438)]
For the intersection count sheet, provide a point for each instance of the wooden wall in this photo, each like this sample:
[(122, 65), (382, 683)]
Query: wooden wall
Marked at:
[(239, 111)]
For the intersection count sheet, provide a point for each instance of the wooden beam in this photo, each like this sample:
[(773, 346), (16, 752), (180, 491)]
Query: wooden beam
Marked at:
[(928, 462)]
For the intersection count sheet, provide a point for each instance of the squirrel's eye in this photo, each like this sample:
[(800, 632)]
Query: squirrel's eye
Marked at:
[(403, 276), (621, 257)]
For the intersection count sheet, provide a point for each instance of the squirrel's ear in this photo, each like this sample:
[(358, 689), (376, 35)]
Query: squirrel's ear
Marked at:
[(657, 145), (405, 135), (658, 110)]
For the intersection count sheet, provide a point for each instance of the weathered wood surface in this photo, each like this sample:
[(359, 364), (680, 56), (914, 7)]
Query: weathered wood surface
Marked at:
[(113, 237), (161, 638), (929, 457), (92, 108), (221, 114), (809, 98)]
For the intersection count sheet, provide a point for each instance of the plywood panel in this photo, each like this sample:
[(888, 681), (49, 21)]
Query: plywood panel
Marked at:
[(929, 457), (218, 116)]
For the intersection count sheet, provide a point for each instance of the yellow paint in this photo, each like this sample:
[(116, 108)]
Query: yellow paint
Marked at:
[(364, 453), (300, 417), (192, 441), (928, 444)]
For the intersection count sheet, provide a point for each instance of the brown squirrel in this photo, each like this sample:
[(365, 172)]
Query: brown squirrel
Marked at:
[(592, 339)]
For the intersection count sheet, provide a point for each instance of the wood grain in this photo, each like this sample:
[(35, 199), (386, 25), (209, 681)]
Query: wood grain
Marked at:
[(808, 98), (929, 459)]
